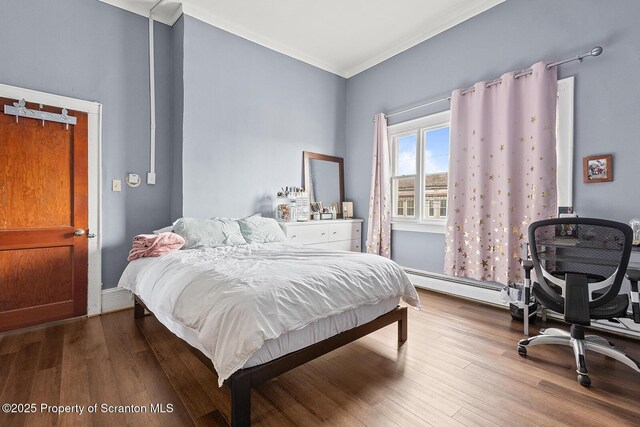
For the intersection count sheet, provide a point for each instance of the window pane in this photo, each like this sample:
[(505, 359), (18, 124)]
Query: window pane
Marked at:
[(410, 207), (404, 196), (406, 155), (436, 172)]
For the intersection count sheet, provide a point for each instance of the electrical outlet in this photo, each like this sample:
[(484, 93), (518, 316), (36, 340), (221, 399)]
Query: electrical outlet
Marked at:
[(116, 185)]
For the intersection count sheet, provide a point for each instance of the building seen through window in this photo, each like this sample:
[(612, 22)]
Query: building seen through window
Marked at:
[(435, 195)]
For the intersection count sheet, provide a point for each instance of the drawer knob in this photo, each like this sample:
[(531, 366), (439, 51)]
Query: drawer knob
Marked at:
[(358, 230), (323, 234), (293, 236), (335, 232)]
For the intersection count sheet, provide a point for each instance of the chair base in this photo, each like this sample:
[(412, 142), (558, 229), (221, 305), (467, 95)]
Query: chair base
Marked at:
[(580, 343)]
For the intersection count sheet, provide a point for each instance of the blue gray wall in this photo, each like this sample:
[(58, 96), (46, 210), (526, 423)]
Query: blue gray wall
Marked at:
[(234, 117), (512, 36), (93, 51), (249, 113)]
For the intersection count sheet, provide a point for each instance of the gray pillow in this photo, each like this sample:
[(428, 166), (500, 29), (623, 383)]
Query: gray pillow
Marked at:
[(256, 229), (208, 233)]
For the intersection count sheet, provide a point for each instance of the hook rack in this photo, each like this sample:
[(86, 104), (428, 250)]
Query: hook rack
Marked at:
[(19, 109)]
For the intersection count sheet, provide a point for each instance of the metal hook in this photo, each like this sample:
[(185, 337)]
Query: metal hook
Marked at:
[(63, 113)]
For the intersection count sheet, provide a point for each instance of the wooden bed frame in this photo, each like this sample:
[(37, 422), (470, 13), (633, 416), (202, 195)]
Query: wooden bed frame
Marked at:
[(242, 381)]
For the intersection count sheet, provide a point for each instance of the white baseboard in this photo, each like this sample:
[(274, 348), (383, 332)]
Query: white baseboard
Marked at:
[(115, 299)]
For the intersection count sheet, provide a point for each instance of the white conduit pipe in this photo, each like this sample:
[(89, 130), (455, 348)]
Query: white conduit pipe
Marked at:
[(151, 176)]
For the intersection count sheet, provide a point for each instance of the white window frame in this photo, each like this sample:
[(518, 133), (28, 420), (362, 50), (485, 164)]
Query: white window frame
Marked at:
[(564, 141), (420, 125), (564, 162)]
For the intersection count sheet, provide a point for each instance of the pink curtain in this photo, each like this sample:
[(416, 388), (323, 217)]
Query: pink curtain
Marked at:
[(502, 173), (379, 227)]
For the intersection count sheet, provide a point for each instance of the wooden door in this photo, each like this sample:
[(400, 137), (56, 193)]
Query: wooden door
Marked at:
[(43, 201)]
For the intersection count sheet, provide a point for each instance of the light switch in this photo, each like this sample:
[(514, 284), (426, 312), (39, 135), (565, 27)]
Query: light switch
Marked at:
[(116, 185)]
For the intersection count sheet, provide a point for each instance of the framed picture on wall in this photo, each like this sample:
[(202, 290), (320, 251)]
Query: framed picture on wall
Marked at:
[(597, 168)]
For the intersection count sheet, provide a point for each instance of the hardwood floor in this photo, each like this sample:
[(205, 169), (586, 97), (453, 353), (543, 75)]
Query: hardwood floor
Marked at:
[(459, 367)]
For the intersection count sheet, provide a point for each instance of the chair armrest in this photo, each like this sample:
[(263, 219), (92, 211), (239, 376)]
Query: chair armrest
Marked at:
[(527, 264), (634, 276)]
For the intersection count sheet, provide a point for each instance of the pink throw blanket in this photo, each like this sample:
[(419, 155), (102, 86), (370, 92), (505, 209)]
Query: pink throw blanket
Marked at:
[(149, 245)]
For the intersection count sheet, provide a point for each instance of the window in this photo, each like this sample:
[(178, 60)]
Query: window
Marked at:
[(420, 148)]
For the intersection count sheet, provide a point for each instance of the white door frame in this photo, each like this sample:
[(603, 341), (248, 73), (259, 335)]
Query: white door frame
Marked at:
[(94, 112)]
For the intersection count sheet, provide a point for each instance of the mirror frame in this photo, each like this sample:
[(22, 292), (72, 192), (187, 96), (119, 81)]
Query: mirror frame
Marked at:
[(307, 156)]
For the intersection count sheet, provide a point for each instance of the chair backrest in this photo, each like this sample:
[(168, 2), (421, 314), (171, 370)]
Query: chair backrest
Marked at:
[(596, 248)]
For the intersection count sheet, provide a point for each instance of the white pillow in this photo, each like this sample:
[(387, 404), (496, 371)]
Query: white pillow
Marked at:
[(208, 233), (257, 229), (166, 229)]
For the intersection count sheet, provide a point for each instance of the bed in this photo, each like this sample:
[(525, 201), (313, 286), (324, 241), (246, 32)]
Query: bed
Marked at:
[(252, 312)]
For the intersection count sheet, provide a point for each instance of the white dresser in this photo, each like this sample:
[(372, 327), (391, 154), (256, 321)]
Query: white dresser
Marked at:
[(341, 234)]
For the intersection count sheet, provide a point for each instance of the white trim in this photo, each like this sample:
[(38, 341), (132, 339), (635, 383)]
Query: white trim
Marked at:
[(431, 32), (167, 14), (172, 18), (424, 226), (435, 120), (564, 145), (419, 127), (214, 20), (94, 111), (115, 299)]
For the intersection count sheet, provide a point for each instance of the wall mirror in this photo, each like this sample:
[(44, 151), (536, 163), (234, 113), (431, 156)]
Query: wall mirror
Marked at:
[(324, 179)]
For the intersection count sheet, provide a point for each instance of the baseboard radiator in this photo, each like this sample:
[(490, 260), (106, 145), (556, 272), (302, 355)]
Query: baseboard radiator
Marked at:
[(489, 293)]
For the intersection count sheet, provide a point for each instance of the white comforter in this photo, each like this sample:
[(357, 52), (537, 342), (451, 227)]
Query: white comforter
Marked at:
[(236, 297)]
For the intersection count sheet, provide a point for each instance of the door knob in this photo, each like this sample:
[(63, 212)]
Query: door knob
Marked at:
[(79, 232)]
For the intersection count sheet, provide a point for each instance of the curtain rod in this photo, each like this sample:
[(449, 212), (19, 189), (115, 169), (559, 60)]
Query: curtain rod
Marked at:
[(597, 50)]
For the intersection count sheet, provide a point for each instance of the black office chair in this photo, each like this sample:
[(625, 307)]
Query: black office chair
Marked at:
[(580, 264)]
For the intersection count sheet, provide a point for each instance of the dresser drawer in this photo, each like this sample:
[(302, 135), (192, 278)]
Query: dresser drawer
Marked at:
[(308, 233), (344, 231), (346, 245)]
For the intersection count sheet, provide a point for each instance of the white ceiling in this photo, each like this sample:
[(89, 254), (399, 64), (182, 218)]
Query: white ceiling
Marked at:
[(344, 37)]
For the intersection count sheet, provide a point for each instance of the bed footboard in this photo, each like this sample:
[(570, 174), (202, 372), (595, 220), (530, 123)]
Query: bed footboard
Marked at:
[(243, 380)]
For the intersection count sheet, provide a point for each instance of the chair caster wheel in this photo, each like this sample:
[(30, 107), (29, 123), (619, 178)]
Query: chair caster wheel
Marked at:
[(522, 351), (584, 380)]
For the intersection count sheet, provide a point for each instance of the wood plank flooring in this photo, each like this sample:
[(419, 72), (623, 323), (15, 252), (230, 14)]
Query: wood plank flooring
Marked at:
[(459, 368)]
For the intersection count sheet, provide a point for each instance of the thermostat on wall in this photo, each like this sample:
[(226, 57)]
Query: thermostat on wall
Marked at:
[(133, 180)]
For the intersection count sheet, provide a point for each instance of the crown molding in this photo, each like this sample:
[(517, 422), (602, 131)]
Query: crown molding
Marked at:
[(169, 11), (166, 13), (239, 31), (429, 33)]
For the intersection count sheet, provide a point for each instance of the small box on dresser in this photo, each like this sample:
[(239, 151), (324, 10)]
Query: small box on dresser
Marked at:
[(340, 234)]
